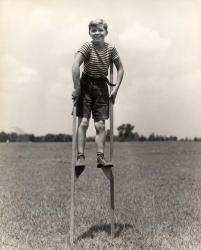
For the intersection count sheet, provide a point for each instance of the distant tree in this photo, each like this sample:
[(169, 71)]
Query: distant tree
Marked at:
[(23, 137), (135, 136), (3, 137), (39, 138), (12, 137), (197, 139), (125, 131), (32, 138), (60, 138), (68, 138), (49, 138), (90, 138), (142, 138), (151, 137), (185, 139), (173, 138), (36, 138), (159, 138)]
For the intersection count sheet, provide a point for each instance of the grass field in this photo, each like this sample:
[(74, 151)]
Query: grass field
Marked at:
[(157, 197)]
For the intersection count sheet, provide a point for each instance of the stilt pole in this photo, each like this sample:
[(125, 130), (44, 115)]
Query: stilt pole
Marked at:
[(73, 175), (111, 157)]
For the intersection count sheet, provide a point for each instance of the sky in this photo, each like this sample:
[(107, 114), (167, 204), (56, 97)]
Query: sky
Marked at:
[(159, 43)]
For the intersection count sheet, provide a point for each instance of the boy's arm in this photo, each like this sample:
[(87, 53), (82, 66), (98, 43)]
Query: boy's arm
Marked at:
[(79, 58), (120, 74)]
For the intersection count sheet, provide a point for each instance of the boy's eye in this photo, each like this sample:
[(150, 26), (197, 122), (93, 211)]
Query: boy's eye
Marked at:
[(93, 30)]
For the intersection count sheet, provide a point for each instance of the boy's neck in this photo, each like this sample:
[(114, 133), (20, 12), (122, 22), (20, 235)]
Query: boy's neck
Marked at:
[(99, 45)]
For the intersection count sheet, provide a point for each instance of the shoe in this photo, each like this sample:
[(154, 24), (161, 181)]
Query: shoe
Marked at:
[(80, 160), (101, 162), (80, 165)]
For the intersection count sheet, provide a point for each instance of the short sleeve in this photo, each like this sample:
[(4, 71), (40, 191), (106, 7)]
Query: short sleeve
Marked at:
[(85, 49), (115, 54)]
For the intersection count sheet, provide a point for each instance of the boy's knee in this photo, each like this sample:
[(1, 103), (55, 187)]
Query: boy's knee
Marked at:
[(100, 125), (84, 123)]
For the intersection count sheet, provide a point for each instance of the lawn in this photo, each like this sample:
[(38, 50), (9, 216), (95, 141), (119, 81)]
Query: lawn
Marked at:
[(157, 197)]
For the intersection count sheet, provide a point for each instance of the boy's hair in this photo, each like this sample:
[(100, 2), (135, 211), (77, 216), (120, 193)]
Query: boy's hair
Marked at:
[(97, 22)]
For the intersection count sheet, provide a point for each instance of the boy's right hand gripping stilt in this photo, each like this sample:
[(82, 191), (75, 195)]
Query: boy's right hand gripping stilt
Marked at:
[(75, 94)]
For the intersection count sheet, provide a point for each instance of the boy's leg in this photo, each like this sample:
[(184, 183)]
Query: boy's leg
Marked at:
[(100, 135), (100, 144), (83, 124)]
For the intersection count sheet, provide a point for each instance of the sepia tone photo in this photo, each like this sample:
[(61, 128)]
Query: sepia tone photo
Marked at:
[(100, 124)]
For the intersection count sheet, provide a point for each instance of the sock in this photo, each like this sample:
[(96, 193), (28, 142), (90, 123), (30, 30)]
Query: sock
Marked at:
[(100, 154), (80, 155)]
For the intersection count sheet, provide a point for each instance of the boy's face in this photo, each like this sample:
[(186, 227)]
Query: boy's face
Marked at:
[(97, 33)]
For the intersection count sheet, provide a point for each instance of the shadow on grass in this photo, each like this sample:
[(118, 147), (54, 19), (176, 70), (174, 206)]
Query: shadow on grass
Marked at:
[(104, 228)]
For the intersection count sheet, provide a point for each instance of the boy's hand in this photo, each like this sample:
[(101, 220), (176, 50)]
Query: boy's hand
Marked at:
[(75, 94), (113, 95)]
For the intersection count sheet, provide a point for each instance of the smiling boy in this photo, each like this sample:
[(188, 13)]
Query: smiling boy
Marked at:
[(91, 91)]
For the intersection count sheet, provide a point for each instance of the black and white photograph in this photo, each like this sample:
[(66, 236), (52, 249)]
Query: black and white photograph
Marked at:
[(100, 124)]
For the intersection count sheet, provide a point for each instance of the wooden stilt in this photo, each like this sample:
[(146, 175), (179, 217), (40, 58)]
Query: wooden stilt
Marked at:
[(108, 170), (73, 176), (111, 156)]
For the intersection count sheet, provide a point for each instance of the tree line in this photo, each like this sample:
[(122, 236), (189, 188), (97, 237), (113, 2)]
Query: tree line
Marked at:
[(125, 133), (15, 137)]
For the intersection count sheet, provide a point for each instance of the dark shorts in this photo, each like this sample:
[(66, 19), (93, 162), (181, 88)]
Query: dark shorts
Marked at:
[(94, 98)]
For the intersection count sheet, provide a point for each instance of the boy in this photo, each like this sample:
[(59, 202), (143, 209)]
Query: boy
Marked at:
[(91, 91)]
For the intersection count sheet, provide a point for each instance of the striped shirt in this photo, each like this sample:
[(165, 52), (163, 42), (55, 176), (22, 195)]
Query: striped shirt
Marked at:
[(96, 62)]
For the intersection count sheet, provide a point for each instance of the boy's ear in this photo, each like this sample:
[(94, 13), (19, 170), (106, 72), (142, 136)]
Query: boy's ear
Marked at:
[(106, 32)]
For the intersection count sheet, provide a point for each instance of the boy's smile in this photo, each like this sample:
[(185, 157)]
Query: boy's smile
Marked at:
[(98, 34)]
